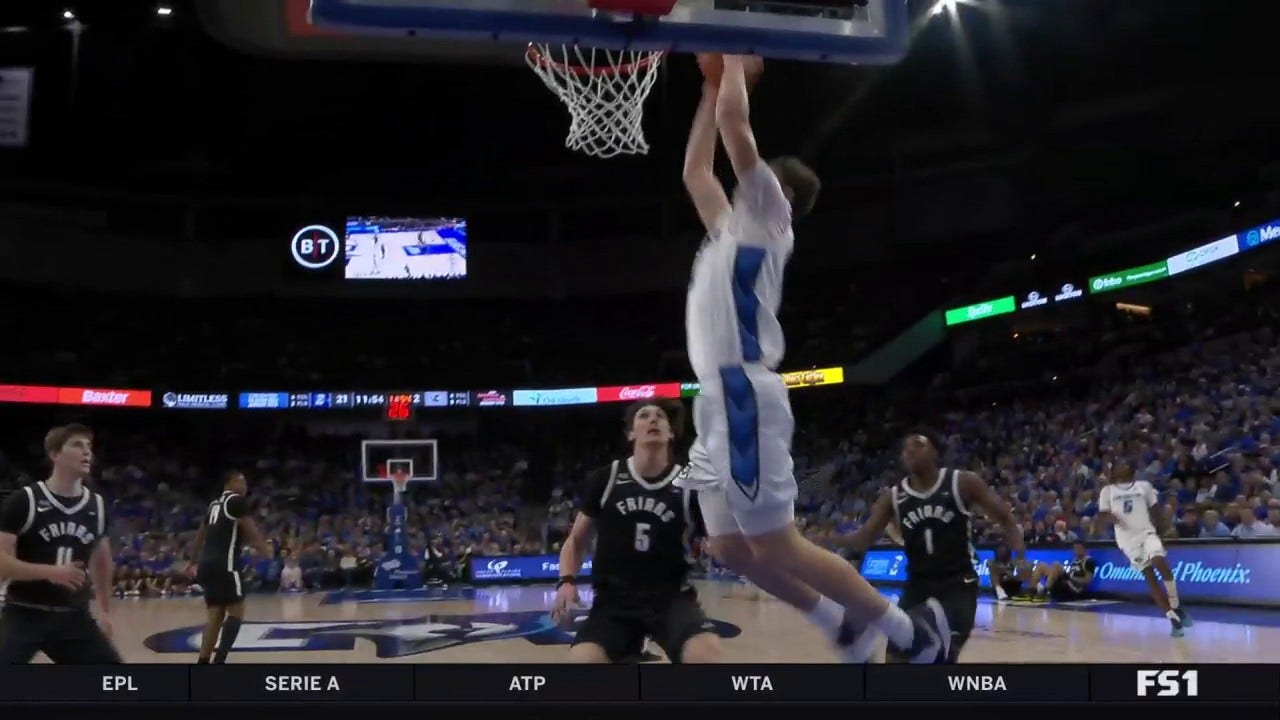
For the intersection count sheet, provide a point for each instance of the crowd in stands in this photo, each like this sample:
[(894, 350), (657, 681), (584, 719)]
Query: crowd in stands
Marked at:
[(1200, 421)]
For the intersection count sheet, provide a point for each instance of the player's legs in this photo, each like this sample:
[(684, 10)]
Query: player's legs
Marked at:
[(214, 616), (605, 637), (22, 632), (684, 632), (1143, 553), (77, 639), (1045, 576), (230, 629), (1160, 563), (960, 603)]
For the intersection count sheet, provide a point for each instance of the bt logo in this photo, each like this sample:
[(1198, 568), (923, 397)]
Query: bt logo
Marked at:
[(315, 247)]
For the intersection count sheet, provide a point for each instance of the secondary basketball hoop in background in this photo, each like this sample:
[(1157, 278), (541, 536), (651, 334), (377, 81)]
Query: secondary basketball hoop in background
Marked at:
[(603, 89), (602, 57)]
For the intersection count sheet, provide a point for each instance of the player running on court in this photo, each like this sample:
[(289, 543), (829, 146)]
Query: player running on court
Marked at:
[(932, 507), (50, 532), (1127, 503), (643, 524), (218, 542), (741, 463)]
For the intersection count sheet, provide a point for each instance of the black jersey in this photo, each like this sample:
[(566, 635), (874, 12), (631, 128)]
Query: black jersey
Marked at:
[(222, 532), (1078, 569), (643, 530), (53, 530), (936, 531)]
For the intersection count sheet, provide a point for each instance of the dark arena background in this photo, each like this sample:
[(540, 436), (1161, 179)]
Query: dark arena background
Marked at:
[(267, 235)]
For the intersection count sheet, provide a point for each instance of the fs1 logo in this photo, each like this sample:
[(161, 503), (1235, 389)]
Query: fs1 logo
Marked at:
[(1170, 683), (315, 247)]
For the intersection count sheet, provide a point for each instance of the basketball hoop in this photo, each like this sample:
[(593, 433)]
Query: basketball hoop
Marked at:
[(400, 482), (604, 90)]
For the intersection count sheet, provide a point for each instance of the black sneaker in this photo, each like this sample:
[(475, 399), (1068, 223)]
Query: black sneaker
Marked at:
[(932, 642), (1183, 618)]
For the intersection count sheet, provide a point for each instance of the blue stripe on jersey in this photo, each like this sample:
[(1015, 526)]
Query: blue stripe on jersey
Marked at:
[(744, 430), (747, 262)]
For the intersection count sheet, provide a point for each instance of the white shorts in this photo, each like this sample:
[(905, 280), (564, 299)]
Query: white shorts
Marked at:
[(741, 462), (1141, 549)]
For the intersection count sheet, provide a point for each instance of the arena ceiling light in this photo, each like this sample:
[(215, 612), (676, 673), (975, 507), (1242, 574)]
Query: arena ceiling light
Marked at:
[(164, 11)]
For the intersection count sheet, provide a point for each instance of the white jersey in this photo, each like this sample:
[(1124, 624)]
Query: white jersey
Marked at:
[(731, 313), (1130, 504)]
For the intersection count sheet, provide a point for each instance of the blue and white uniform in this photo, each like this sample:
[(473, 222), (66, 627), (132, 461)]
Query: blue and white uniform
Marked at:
[(741, 462)]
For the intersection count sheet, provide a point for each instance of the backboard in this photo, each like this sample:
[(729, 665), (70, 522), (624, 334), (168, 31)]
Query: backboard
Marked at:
[(379, 459), (837, 31)]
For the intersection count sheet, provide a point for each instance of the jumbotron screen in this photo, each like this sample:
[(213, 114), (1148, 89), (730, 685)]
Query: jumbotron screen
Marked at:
[(387, 248)]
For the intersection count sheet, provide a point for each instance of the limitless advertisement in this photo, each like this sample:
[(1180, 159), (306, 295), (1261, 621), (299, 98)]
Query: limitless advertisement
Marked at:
[(1204, 255), (631, 393), (1129, 278), (521, 567), (546, 398), (1239, 572), (982, 310), (194, 401)]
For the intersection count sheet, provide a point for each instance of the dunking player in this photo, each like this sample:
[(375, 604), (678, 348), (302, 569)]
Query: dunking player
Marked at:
[(49, 533), (741, 463), (932, 507), (1127, 503), (643, 523), (219, 543)]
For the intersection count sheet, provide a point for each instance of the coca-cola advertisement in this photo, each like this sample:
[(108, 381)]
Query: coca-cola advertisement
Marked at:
[(632, 393)]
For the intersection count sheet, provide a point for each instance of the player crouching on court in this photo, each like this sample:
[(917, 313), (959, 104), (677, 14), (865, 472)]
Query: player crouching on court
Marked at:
[(644, 524), (1064, 583), (1009, 576)]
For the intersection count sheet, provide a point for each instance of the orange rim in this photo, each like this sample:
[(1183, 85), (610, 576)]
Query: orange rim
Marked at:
[(565, 68)]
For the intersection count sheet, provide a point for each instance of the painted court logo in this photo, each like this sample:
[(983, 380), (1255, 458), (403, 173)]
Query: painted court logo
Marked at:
[(391, 638)]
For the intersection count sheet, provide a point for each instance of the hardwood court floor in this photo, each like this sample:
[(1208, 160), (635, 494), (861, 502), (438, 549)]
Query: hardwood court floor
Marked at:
[(509, 624)]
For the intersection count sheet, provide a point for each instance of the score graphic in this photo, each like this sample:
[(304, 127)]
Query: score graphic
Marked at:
[(315, 247), (400, 407)]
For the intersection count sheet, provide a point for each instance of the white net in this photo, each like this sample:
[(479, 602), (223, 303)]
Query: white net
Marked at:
[(604, 91)]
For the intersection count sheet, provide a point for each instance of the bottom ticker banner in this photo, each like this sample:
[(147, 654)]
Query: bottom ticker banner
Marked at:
[(567, 683)]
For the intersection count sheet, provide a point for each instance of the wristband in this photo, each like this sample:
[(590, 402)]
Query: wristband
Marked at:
[(570, 580)]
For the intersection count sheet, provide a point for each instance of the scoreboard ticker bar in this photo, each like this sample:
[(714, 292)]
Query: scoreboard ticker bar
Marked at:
[(639, 683)]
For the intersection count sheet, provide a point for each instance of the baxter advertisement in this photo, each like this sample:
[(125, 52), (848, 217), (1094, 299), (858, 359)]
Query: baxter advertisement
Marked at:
[(1244, 573)]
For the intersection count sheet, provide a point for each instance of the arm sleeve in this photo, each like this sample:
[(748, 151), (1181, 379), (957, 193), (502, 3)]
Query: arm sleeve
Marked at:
[(594, 494), (1104, 500), (696, 525), (236, 506), (1152, 497), (15, 512)]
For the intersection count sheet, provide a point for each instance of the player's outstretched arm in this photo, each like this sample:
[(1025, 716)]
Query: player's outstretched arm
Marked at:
[(733, 113), (877, 522), (699, 160), (976, 492)]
